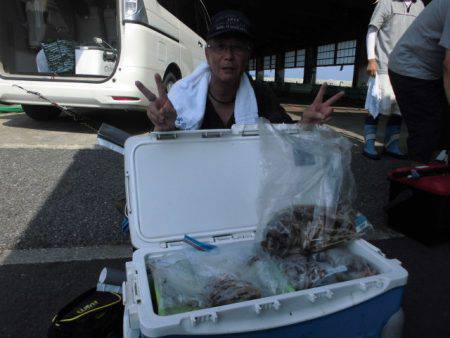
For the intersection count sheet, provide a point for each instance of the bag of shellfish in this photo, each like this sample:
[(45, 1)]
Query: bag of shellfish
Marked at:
[(190, 280), (308, 190)]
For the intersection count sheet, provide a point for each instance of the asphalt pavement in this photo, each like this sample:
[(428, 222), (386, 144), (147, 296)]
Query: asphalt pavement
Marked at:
[(59, 226)]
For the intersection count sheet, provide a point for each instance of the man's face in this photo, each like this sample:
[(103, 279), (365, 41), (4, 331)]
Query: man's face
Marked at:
[(228, 57)]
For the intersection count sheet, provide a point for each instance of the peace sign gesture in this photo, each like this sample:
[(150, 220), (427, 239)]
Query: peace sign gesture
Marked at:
[(161, 111), (319, 111)]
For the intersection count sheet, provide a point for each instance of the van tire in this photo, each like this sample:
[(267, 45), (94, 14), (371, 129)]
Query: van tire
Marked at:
[(41, 113), (169, 80)]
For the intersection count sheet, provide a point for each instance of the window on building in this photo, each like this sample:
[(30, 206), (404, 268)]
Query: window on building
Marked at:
[(269, 62), (346, 52), (326, 55), (252, 68), (269, 68), (294, 64), (252, 64), (295, 59), (335, 63)]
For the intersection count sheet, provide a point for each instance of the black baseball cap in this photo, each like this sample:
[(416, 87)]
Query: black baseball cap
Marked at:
[(229, 21)]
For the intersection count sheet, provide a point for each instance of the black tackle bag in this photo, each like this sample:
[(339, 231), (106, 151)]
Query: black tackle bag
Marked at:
[(93, 314)]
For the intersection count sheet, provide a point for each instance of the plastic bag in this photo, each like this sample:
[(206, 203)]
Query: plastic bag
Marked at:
[(189, 280), (267, 274), (176, 285), (356, 267), (308, 190), (227, 289), (327, 267), (304, 273)]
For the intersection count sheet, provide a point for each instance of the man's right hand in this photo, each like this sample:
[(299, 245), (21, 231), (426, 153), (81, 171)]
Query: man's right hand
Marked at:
[(161, 112), (372, 67)]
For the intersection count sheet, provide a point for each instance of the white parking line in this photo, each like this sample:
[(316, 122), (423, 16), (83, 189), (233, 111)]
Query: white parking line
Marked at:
[(48, 146), (61, 255)]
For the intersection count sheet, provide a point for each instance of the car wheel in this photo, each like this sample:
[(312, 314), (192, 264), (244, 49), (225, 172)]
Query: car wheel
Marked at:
[(169, 80), (41, 113)]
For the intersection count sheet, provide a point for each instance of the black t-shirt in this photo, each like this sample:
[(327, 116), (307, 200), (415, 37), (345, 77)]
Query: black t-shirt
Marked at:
[(268, 107), (212, 120)]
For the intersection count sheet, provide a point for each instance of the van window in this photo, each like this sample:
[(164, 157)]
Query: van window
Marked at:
[(187, 11), (202, 19)]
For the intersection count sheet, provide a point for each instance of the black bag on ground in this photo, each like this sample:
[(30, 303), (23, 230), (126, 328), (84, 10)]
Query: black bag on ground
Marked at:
[(93, 314), (419, 202)]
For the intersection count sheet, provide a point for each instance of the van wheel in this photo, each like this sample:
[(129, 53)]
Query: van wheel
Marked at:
[(41, 113), (169, 80)]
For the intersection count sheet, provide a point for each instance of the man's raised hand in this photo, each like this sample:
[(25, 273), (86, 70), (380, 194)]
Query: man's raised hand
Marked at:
[(319, 111), (160, 111)]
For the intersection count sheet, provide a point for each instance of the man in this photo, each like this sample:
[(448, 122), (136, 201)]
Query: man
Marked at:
[(390, 20), (219, 93), (419, 69)]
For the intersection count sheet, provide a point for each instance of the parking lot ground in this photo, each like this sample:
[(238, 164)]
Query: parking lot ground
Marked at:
[(59, 226)]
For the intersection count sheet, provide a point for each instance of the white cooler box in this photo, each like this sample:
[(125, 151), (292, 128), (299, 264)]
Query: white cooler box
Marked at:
[(205, 184), (90, 60)]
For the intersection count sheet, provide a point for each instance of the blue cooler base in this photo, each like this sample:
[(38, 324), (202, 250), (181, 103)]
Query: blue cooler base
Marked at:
[(365, 320)]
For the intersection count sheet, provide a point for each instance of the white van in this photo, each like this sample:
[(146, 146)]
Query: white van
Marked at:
[(110, 43)]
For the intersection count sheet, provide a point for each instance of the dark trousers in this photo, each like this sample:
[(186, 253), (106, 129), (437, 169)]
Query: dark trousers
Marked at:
[(425, 109)]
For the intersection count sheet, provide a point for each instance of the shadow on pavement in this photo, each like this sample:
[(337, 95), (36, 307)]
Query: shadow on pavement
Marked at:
[(80, 209), (134, 122)]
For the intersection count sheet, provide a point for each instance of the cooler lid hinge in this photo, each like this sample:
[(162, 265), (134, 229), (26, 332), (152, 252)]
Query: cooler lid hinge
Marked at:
[(171, 244), (166, 136), (247, 133), (212, 134)]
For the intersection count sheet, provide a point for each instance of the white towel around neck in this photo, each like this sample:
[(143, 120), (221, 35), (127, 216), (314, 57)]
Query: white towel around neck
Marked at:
[(188, 96)]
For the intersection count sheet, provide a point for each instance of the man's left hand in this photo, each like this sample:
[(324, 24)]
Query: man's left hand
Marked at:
[(319, 111)]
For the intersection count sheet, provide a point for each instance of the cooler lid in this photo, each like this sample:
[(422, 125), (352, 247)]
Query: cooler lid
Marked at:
[(198, 183)]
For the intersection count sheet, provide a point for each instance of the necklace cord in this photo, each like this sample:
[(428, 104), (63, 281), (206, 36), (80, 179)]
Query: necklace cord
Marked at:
[(219, 101)]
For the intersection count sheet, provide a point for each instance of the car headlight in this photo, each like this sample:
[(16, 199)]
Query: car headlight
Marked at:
[(134, 10)]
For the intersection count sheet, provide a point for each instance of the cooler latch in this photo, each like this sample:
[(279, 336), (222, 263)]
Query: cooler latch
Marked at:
[(267, 306), (210, 317), (131, 296)]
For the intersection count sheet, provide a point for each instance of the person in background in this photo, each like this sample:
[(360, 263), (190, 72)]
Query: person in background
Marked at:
[(419, 69), (219, 93), (389, 22)]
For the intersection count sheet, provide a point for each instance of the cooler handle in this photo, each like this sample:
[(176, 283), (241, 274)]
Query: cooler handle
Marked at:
[(127, 194)]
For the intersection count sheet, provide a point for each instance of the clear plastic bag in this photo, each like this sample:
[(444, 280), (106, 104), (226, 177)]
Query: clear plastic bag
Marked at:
[(226, 289), (307, 196), (356, 267), (176, 285), (267, 273), (189, 280), (304, 273), (324, 268)]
